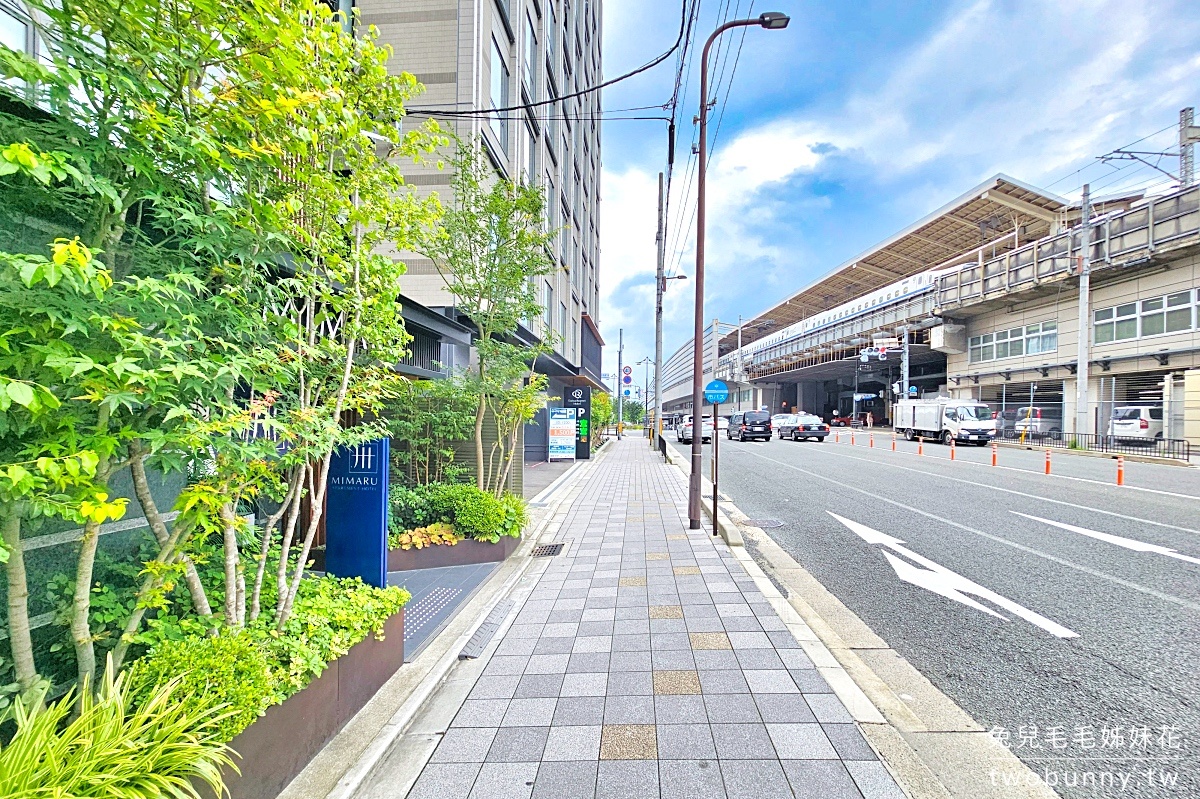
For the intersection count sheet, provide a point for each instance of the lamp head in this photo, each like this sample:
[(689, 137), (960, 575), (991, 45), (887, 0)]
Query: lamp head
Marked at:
[(774, 20)]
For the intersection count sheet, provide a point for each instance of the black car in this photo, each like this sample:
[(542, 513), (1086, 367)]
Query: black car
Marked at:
[(749, 424), (803, 426)]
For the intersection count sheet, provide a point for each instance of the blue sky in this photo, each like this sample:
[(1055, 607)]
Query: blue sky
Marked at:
[(860, 118)]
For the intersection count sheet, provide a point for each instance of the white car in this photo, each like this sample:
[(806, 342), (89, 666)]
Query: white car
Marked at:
[(1136, 423), (683, 433)]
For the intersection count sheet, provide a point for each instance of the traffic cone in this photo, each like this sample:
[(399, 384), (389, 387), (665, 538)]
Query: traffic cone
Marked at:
[(1120, 470)]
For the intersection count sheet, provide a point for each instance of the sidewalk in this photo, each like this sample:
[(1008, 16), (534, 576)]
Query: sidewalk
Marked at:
[(643, 662)]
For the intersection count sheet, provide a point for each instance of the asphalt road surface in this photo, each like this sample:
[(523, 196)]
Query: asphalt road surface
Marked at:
[(1061, 611)]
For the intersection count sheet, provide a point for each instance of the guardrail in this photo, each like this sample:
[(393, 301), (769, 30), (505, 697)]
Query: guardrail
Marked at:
[(1171, 448), (1119, 238)]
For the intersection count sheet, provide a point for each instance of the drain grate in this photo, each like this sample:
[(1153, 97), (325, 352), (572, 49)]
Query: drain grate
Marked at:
[(763, 524), (547, 550)]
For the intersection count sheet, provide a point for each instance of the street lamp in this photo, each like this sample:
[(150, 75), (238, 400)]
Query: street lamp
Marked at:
[(771, 20), (645, 384)]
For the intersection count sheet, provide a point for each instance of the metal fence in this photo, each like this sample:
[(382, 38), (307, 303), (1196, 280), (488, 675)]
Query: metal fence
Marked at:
[(1172, 448)]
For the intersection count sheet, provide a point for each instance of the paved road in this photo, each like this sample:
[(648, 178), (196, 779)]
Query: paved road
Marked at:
[(1097, 587)]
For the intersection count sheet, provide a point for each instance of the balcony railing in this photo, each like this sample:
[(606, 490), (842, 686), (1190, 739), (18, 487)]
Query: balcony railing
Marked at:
[(1119, 239)]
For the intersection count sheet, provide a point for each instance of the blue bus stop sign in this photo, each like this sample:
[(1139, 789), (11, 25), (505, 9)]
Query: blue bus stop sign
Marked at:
[(716, 392)]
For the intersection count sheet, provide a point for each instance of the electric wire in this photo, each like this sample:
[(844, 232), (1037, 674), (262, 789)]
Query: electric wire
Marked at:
[(471, 112)]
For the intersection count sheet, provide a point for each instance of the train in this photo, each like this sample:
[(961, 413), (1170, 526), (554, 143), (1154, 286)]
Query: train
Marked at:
[(911, 286)]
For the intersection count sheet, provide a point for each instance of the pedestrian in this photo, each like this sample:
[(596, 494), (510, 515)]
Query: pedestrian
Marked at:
[(870, 420)]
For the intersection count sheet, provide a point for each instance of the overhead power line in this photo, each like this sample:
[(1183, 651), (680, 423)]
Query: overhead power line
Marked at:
[(474, 112)]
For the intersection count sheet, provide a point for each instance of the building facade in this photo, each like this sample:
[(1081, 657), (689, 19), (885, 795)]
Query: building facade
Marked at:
[(496, 54), (1017, 327)]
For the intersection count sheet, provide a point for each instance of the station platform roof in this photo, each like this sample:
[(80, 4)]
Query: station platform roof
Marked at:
[(1000, 213)]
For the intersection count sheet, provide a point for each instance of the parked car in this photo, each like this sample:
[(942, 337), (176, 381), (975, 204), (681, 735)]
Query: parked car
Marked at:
[(1006, 423), (1136, 423), (783, 421), (750, 424), (683, 433), (803, 426), (722, 423), (1039, 421), (850, 419)]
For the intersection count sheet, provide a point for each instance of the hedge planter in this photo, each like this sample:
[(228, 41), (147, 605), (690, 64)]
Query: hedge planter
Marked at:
[(277, 747), (465, 552)]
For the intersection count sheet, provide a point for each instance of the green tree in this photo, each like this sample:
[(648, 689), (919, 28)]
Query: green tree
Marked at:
[(602, 415), (632, 411), (490, 247), (223, 180)]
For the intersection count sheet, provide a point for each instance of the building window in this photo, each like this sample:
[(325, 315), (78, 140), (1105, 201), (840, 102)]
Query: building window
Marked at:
[(530, 58), (14, 32), (562, 319), (530, 151), (548, 311), (499, 96), (574, 340), (1172, 313), (1014, 342)]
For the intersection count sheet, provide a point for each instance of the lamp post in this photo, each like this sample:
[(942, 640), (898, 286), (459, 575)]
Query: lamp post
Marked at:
[(771, 20), (645, 386)]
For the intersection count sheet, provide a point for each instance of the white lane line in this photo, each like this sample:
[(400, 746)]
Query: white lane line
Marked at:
[(1039, 474), (1112, 578), (1127, 543), (944, 582), (1017, 493)]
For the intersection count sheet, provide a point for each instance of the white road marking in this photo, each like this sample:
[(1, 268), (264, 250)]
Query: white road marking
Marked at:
[(1112, 578), (838, 454), (1127, 543), (944, 582)]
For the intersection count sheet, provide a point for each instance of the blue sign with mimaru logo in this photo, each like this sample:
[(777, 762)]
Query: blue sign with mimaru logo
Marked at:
[(356, 513)]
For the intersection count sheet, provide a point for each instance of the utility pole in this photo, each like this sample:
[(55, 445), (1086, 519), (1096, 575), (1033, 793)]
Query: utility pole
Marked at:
[(620, 379), (1083, 354), (741, 364), (660, 284), (1189, 134)]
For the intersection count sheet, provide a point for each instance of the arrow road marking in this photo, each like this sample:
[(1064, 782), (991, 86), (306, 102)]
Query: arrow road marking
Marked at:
[(1127, 543), (938, 579)]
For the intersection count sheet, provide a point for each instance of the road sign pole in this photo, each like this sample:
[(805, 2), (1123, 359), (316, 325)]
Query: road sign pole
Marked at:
[(716, 450)]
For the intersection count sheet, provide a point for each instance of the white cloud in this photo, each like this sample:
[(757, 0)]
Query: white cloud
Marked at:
[(1034, 89)]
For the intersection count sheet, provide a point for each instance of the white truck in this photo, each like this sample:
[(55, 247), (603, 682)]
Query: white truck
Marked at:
[(945, 420)]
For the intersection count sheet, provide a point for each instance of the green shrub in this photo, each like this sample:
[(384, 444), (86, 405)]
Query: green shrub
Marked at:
[(227, 669), (161, 746), (408, 508), (330, 615), (516, 515), (474, 513)]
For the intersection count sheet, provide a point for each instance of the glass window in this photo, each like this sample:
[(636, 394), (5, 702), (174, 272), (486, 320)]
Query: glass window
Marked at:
[(13, 31), (548, 311), (499, 95), (531, 148), (531, 60)]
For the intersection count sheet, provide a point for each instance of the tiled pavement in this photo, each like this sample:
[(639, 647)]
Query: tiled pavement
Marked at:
[(645, 663)]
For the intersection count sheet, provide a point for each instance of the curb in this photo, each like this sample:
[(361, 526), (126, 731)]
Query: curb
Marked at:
[(729, 531)]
